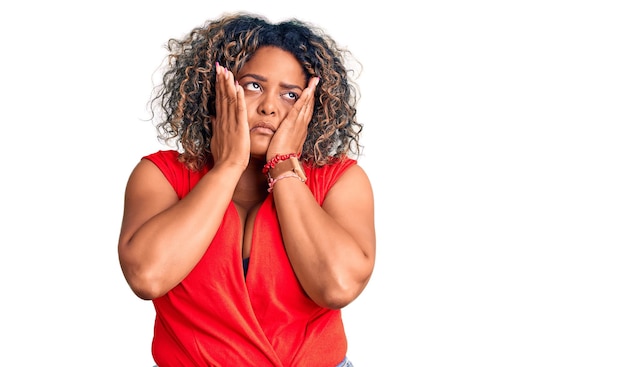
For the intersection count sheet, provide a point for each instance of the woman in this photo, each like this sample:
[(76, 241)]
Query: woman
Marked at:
[(253, 235)]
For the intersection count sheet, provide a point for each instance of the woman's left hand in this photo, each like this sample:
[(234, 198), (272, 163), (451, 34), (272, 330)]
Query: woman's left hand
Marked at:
[(292, 132)]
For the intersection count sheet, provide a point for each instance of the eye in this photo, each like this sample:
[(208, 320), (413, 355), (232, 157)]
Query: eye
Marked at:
[(291, 96), (252, 86)]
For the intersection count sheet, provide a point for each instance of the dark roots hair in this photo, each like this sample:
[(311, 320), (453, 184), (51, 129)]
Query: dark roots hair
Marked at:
[(187, 93)]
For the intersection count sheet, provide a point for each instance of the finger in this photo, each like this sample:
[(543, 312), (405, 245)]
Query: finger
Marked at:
[(219, 88), (225, 89), (313, 82), (242, 114), (306, 111)]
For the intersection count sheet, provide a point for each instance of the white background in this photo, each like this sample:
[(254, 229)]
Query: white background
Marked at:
[(494, 139)]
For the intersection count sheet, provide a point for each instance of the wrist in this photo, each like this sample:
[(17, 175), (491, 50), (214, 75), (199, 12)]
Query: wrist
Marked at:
[(272, 162), (291, 164), (289, 174)]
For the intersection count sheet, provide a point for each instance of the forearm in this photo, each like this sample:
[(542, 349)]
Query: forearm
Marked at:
[(330, 263)]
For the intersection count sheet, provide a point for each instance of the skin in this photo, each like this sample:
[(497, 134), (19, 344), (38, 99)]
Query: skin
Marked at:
[(261, 112)]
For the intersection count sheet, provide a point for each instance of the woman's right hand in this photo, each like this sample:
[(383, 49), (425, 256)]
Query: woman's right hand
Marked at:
[(230, 142)]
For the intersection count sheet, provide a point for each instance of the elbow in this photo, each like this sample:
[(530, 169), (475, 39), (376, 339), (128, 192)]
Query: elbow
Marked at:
[(335, 302), (146, 285), (145, 278), (343, 287), (340, 294), (147, 293)]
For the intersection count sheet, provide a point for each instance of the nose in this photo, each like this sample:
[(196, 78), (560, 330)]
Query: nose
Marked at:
[(267, 105)]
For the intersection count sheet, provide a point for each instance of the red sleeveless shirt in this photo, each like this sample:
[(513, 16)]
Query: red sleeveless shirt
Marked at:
[(216, 317)]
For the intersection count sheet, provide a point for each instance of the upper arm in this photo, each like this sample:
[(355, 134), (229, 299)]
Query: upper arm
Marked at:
[(351, 203), (148, 193)]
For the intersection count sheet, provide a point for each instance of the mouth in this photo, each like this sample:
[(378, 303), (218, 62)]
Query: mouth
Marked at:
[(263, 128)]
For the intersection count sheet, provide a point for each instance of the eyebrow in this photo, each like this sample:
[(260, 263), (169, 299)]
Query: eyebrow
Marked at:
[(263, 79)]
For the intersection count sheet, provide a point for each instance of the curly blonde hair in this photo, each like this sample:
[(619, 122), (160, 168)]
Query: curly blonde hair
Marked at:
[(186, 95)]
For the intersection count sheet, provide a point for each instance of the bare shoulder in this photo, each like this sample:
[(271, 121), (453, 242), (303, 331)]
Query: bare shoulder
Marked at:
[(353, 186), (146, 176), (353, 178)]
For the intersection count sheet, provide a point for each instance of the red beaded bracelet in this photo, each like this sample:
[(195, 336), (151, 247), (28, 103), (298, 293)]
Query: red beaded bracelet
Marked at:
[(278, 158)]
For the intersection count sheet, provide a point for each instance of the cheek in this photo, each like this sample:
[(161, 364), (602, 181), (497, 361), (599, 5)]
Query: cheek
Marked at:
[(283, 106), (251, 105)]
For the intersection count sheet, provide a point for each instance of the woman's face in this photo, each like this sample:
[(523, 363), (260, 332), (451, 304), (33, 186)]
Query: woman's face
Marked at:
[(272, 81)]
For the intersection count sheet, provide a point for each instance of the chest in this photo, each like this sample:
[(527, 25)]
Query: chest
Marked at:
[(247, 220)]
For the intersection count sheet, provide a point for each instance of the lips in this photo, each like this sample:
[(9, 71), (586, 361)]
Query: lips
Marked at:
[(263, 128)]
